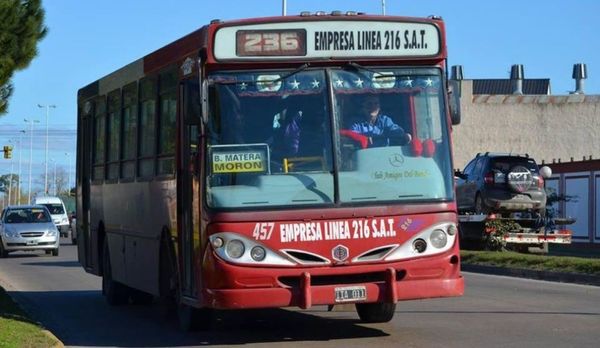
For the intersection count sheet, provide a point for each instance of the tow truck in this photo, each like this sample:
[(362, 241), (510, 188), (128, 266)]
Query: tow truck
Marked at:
[(519, 232)]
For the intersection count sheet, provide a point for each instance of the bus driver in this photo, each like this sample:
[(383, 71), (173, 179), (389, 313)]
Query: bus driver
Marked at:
[(379, 128)]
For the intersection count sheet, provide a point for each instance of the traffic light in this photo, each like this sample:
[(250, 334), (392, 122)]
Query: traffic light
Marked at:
[(7, 151)]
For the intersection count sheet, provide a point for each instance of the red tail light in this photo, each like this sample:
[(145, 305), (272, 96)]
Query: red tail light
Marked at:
[(489, 178)]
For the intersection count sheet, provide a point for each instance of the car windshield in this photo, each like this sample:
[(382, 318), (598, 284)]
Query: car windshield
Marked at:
[(327, 136), (26, 215), (54, 208)]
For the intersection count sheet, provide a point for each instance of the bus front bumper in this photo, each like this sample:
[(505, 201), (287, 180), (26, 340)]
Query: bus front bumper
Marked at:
[(244, 287)]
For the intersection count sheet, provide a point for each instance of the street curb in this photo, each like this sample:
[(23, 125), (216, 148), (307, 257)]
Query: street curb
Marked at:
[(58, 343), (19, 301), (534, 274)]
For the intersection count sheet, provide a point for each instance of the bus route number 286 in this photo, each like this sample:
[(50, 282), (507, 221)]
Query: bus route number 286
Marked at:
[(271, 43)]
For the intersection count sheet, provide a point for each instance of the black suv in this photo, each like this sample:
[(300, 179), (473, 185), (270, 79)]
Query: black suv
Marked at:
[(498, 183)]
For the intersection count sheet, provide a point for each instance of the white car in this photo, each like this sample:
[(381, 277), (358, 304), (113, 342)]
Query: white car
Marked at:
[(28, 228), (58, 211)]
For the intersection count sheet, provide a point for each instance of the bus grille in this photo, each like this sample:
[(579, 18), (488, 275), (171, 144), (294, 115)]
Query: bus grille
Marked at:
[(376, 254), (306, 258), (373, 277)]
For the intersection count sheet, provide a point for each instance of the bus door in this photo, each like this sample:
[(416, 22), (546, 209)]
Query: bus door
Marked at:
[(83, 175), (188, 185)]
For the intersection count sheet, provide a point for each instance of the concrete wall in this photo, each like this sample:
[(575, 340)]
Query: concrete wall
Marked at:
[(544, 126)]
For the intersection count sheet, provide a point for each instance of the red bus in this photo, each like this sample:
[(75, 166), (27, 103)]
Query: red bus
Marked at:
[(273, 162)]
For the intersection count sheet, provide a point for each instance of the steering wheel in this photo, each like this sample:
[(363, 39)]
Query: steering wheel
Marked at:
[(359, 138)]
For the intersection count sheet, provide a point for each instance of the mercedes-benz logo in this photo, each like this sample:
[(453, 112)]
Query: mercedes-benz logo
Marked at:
[(396, 160)]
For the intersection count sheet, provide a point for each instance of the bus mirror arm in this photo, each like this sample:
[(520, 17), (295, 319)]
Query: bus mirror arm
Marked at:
[(204, 101)]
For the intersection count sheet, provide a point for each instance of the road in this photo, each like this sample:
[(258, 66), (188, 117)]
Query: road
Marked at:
[(495, 311)]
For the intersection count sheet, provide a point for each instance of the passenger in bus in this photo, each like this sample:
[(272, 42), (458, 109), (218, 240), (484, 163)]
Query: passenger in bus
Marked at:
[(287, 130), (379, 128)]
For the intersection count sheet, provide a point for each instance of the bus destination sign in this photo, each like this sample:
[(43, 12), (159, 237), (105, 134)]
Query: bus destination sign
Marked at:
[(327, 39)]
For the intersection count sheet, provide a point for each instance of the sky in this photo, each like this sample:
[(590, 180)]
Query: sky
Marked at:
[(89, 39)]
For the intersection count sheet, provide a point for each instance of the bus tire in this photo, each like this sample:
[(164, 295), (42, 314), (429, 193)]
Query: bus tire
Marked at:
[(139, 297), (375, 312), (3, 252), (194, 319), (115, 292)]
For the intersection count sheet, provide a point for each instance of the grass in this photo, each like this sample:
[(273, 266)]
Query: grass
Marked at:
[(566, 264), (18, 330)]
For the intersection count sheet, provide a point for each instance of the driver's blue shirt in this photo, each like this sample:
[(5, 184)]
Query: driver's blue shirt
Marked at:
[(379, 131)]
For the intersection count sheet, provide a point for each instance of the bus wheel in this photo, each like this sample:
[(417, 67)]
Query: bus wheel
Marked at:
[(192, 319), (3, 253), (375, 312), (139, 297), (115, 292)]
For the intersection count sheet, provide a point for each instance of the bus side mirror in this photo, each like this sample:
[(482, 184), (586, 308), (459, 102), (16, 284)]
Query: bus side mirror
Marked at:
[(454, 101)]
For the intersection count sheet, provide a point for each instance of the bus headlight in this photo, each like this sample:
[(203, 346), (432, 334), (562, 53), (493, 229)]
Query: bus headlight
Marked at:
[(438, 238), (452, 230), (258, 253), (235, 248), (231, 247), (217, 243)]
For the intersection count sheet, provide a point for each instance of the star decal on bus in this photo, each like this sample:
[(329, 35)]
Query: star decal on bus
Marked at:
[(358, 82), (339, 83), (243, 86), (315, 83), (429, 82), (408, 82), (295, 84)]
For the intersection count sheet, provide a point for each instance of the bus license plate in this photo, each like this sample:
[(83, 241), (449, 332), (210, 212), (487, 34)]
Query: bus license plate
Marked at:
[(350, 294)]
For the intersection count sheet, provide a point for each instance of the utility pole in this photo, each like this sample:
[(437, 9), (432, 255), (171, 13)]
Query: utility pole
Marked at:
[(21, 132), (69, 173), (383, 7), (284, 7), (55, 188), (47, 107), (11, 177), (30, 155)]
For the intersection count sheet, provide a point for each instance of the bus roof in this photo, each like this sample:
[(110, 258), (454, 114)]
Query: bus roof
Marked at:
[(323, 37)]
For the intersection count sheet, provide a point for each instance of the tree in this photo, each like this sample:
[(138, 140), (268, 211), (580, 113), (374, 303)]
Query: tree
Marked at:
[(5, 182), (21, 28)]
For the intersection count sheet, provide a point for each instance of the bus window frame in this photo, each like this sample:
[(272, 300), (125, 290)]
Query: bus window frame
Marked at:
[(164, 91), (152, 95), (99, 113), (134, 104)]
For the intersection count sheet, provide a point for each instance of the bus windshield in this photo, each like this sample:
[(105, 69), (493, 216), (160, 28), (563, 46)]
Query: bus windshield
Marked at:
[(327, 136)]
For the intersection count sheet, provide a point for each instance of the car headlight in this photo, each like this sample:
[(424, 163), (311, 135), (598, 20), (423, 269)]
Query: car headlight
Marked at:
[(51, 233), (10, 233), (65, 220)]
